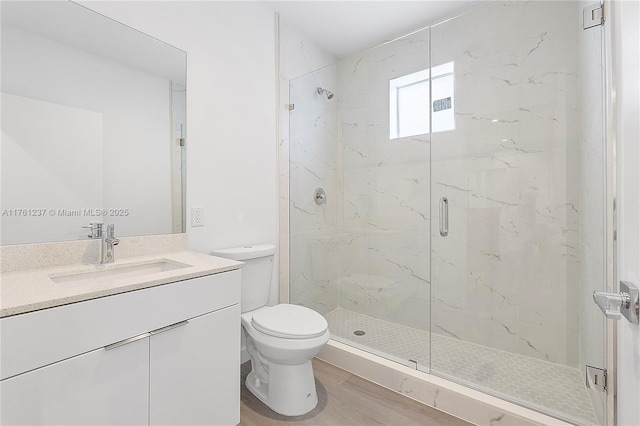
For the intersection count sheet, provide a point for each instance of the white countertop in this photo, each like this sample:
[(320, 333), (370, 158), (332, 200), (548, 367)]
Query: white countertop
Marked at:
[(27, 291)]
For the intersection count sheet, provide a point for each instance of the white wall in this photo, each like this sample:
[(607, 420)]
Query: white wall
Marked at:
[(626, 51), (136, 132), (231, 145), (40, 169)]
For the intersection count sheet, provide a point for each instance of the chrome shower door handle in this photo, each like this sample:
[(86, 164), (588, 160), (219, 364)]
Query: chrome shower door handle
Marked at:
[(444, 216), (607, 300)]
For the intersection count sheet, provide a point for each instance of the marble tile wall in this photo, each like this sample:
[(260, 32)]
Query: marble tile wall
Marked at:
[(307, 158), (592, 193), (517, 170), (508, 274), (313, 162), (384, 229)]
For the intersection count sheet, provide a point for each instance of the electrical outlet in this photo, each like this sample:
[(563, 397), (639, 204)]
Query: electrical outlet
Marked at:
[(197, 216)]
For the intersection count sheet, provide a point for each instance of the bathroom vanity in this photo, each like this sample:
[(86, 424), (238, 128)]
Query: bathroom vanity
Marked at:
[(146, 340)]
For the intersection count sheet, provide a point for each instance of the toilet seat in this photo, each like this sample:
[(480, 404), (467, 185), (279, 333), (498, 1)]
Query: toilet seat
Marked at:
[(289, 322)]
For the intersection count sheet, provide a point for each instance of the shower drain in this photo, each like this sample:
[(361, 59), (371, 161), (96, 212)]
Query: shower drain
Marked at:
[(359, 333)]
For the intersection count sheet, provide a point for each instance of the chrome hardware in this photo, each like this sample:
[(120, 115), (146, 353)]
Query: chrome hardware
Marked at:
[(169, 327), (291, 107), (145, 335), (108, 242), (183, 134), (606, 300), (596, 378), (96, 229), (592, 16), (319, 196), (444, 216), (126, 341), (325, 92), (616, 305)]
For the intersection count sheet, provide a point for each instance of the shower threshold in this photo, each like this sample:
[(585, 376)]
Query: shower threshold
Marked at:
[(548, 387)]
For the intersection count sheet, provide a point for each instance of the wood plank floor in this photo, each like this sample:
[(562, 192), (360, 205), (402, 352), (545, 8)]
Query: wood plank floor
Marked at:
[(345, 400)]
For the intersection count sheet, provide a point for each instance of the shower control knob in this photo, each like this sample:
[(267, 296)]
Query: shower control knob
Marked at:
[(319, 196)]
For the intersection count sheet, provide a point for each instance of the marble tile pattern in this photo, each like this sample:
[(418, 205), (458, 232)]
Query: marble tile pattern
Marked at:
[(508, 273), (592, 193), (385, 220), (313, 162), (469, 404), (298, 56), (555, 388), (521, 170), (509, 169)]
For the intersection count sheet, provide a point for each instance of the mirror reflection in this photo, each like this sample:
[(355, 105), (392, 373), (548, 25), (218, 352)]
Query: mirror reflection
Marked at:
[(93, 126)]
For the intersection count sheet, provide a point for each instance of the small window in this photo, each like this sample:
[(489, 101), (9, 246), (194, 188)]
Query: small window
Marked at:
[(409, 112)]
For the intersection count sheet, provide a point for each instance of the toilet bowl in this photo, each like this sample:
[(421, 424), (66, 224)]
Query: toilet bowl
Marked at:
[(281, 340), (281, 374)]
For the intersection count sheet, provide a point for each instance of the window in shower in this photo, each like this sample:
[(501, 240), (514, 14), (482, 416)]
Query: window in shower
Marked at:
[(409, 102)]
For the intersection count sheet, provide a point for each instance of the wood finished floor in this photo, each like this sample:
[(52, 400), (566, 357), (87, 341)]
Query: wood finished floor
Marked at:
[(345, 400)]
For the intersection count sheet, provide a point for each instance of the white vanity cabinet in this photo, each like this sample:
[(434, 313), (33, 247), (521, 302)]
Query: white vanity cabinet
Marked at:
[(97, 388), (162, 355), (194, 381)]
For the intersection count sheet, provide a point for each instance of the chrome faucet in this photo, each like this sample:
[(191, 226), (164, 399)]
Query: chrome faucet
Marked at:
[(108, 242), (95, 229)]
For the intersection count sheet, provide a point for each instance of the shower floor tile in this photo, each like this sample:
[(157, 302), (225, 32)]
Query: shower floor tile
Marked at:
[(555, 388)]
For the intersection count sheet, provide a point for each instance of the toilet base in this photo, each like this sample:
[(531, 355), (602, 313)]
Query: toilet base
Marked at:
[(291, 390)]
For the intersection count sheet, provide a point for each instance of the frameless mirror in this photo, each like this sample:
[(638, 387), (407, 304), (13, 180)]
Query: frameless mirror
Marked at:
[(93, 125)]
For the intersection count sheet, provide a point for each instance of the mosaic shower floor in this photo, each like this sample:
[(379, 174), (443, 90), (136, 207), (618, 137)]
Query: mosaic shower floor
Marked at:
[(556, 388)]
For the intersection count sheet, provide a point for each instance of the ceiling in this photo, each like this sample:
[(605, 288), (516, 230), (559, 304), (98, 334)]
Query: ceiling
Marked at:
[(347, 27)]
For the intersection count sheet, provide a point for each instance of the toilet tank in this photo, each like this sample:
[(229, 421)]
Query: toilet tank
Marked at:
[(256, 273)]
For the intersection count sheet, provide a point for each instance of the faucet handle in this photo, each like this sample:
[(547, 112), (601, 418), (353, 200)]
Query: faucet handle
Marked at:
[(111, 230), (96, 229)]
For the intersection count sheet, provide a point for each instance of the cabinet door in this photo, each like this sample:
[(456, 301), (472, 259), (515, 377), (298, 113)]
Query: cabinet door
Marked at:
[(96, 388), (195, 371)]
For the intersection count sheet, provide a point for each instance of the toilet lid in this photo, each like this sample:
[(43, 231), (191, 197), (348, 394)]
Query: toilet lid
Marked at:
[(290, 322)]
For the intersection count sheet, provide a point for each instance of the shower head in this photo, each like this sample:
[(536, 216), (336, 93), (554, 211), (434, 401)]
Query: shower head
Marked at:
[(322, 91)]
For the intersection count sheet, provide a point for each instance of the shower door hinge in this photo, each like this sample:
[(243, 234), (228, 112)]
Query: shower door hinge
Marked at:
[(592, 16), (596, 378), (291, 107)]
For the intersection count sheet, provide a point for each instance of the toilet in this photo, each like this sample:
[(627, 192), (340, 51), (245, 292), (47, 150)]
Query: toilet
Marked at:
[(281, 340)]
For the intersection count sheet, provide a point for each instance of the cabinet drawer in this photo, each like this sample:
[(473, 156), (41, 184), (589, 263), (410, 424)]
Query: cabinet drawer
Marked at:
[(194, 372), (39, 338), (97, 388)]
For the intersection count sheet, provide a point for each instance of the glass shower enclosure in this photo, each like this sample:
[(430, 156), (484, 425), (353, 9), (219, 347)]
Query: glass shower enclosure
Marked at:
[(462, 230)]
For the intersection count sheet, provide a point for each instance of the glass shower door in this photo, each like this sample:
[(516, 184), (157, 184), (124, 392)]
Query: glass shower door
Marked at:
[(384, 242), (360, 130), (517, 196)]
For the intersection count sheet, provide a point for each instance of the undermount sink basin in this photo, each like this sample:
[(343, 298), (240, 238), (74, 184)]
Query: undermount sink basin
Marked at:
[(119, 272)]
